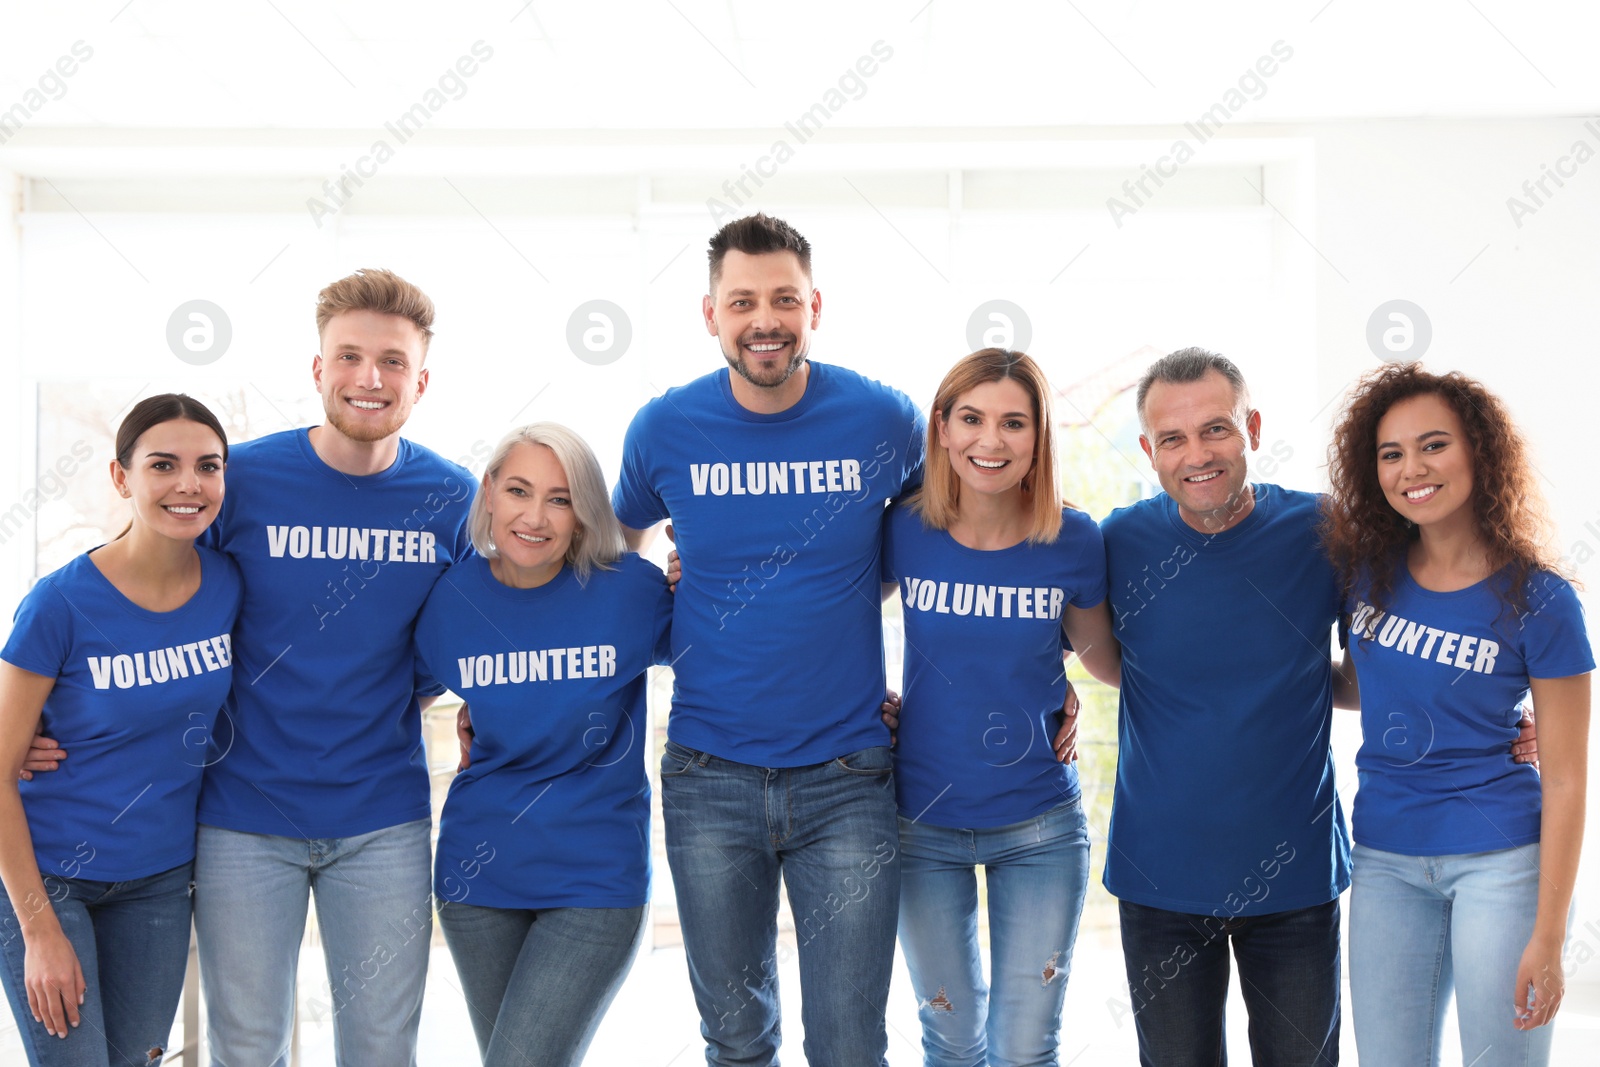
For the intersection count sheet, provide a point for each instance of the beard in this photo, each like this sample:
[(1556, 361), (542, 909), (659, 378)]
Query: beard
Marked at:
[(362, 430), (769, 377)]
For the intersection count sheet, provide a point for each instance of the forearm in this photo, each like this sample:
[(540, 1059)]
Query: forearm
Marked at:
[(19, 870), (1560, 843), (639, 540)]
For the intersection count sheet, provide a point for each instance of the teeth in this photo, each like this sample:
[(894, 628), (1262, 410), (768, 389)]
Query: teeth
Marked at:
[(529, 538), (177, 510), (1421, 494), (989, 464), (369, 405), (765, 347), (1203, 477)]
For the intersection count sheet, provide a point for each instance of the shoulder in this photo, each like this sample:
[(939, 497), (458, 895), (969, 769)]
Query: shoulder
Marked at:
[(267, 447), (1135, 517), (850, 386), (219, 566), (679, 401), (421, 458)]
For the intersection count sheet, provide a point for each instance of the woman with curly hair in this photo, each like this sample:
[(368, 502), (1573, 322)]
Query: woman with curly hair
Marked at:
[(1464, 860)]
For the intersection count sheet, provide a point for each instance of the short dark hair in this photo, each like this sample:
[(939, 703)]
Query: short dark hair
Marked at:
[(757, 235), (155, 410), (1190, 365)]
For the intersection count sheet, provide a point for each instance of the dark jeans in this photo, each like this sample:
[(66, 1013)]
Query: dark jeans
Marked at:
[(132, 941), (1178, 970)]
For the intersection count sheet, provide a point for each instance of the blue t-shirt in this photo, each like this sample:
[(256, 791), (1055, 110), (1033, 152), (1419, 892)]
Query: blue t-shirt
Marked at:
[(136, 698), (554, 811), (1225, 801), (1442, 679), (777, 628), (983, 674), (326, 735)]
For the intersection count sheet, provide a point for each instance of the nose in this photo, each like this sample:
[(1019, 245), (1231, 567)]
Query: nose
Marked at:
[(188, 480), (1196, 452), (1412, 463), (764, 319), (367, 376)]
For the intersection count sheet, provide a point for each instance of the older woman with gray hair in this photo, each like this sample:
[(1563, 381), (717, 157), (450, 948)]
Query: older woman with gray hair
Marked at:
[(543, 862)]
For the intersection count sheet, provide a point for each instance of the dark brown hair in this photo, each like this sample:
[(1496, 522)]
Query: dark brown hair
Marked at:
[(757, 235), (165, 407), (1367, 539)]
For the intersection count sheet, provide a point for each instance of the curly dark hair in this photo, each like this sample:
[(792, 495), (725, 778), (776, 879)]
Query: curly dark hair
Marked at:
[(1366, 538)]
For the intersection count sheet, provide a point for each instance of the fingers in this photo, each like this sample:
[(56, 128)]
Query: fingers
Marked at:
[(1536, 999), (54, 1007), (1066, 739), (464, 735), (671, 536), (890, 710)]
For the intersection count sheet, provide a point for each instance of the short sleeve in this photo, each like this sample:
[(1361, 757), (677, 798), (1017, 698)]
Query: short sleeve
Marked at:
[(41, 632), (1091, 569), (1555, 638), (887, 572), (635, 499), (916, 446), (661, 647)]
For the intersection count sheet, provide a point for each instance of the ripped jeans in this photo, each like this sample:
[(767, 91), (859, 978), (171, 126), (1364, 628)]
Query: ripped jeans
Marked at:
[(132, 941), (1037, 872)]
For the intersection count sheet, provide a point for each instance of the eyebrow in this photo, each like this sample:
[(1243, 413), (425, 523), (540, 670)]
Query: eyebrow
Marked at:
[(173, 455), (1420, 437), (752, 292), (530, 485), (1005, 415)]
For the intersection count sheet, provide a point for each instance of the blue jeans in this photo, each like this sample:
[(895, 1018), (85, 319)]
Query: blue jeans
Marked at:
[(538, 981), (1421, 926), (374, 898), (132, 941), (829, 832), (1178, 971), (1037, 871)]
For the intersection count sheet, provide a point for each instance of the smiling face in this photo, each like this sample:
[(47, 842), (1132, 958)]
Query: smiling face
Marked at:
[(531, 520), (1197, 438), (1425, 462), (370, 373), (174, 479), (989, 434), (762, 314)]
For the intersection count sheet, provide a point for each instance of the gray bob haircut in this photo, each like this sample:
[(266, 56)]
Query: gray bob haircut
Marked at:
[(1190, 365), (598, 541)]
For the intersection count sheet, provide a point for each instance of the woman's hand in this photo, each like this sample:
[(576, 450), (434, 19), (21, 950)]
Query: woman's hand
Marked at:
[(1540, 985), (54, 981)]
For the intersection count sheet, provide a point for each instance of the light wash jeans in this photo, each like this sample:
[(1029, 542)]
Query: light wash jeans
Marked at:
[(374, 897), (1424, 926), (829, 832), (132, 941), (538, 981), (1037, 872)]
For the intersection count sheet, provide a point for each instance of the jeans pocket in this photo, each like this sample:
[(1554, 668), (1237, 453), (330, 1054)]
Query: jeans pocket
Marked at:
[(677, 760), (873, 762)]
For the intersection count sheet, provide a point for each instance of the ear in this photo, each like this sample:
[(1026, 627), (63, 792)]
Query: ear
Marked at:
[(422, 384), (119, 480), (487, 492), (943, 428), (1144, 443), (316, 371), (1252, 426), (708, 308), (816, 308)]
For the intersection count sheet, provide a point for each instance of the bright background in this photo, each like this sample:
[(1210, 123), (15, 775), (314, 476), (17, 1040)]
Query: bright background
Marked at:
[(194, 153)]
